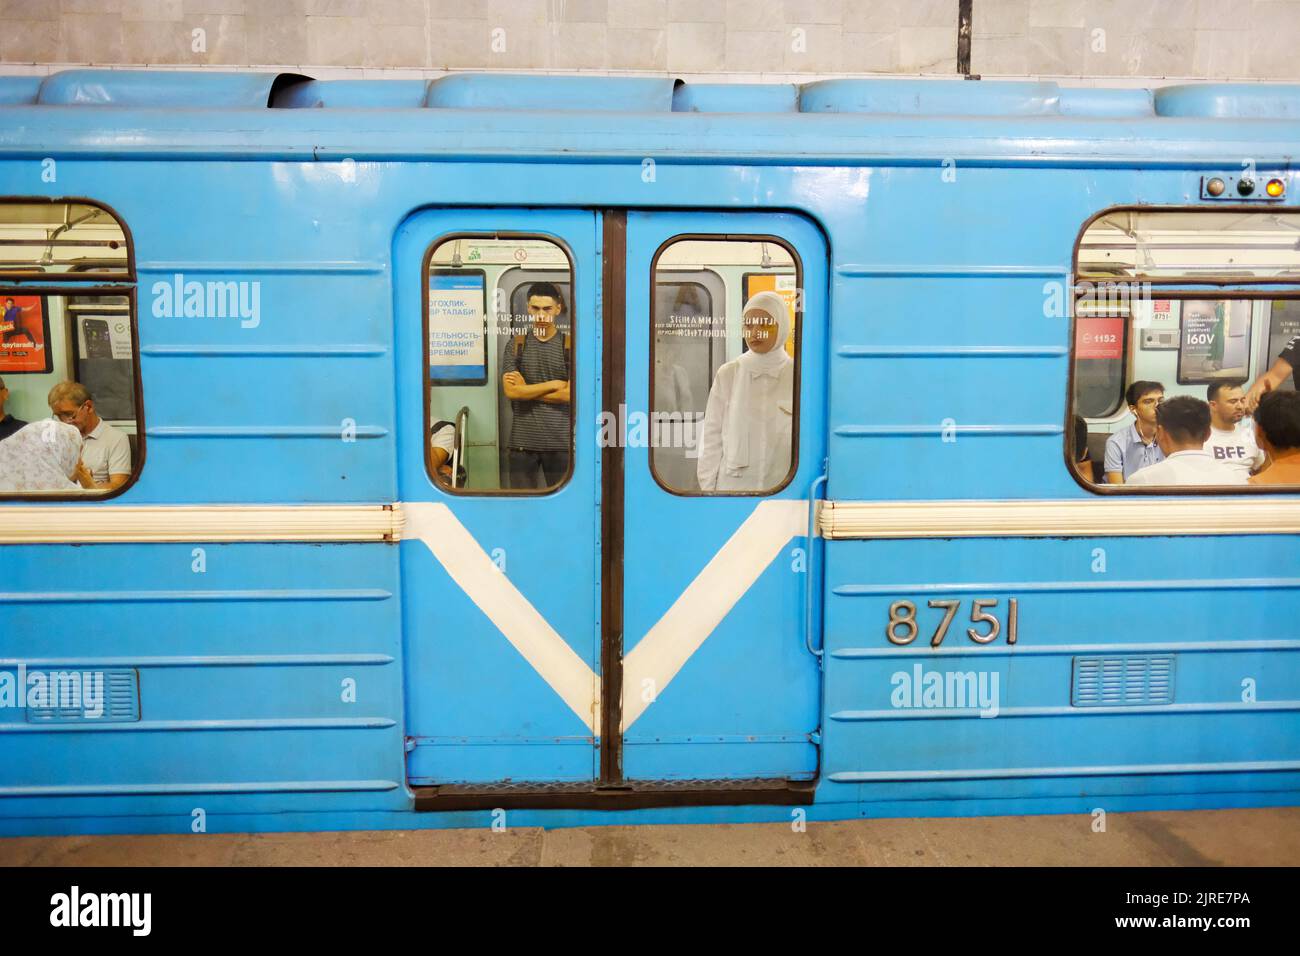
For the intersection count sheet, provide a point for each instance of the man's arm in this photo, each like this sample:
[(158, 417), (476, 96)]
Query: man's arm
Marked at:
[(1270, 380), (119, 462), (558, 397), (87, 480), (514, 386), (119, 466)]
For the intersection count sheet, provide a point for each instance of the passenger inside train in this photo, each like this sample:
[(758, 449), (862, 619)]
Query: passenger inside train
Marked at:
[(1135, 447), (8, 423), (1080, 456), (442, 448), (1277, 428), (1232, 439), (745, 439), (67, 351), (105, 451), (536, 378), (1147, 347), (1183, 432), (42, 457)]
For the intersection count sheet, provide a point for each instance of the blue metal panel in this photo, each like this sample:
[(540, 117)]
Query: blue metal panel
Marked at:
[(333, 94), (277, 669), (736, 98), (1230, 101), (1238, 701), (497, 91), (938, 97), (551, 137), (136, 88), (745, 703), (1091, 101), (477, 711), (19, 90)]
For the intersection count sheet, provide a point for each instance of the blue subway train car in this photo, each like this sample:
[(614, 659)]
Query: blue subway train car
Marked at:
[(543, 450)]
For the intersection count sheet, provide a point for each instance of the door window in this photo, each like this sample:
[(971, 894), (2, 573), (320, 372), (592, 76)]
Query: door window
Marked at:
[(500, 339), (724, 367)]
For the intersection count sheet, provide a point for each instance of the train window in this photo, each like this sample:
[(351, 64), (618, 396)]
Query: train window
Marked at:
[(1177, 245), (500, 333), (1165, 378), (64, 239), (69, 382), (724, 348)]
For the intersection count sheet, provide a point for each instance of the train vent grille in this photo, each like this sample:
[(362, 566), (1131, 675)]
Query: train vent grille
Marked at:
[(86, 696), (1123, 681)]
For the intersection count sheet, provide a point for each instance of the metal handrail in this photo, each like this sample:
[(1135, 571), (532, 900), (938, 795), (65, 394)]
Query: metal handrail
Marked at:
[(811, 584)]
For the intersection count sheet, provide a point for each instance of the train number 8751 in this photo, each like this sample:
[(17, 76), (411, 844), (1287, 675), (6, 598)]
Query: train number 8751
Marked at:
[(902, 615)]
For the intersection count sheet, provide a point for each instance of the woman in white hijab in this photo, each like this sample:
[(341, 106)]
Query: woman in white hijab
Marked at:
[(42, 456), (745, 441)]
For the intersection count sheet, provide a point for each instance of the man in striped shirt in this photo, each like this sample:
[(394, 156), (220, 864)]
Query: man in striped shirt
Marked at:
[(535, 377)]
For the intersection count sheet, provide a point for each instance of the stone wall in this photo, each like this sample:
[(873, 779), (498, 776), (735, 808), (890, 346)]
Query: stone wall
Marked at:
[(1119, 40)]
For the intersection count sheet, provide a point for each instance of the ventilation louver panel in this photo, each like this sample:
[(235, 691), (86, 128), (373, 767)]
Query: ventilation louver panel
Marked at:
[(1123, 681)]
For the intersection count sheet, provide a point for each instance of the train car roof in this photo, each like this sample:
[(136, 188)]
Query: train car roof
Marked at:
[(119, 113)]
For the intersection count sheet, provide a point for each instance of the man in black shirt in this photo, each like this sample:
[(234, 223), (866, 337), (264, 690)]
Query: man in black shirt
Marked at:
[(8, 424), (535, 377), (1288, 360)]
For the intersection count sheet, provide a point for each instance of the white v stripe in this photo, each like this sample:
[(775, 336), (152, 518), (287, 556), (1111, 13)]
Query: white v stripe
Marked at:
[(707, 601), (513, 614), (666, 647)]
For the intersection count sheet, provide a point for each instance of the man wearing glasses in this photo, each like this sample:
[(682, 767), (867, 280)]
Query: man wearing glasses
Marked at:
[(105, 451)]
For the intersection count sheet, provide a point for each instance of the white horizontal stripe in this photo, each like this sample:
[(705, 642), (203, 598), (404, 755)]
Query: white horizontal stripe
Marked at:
[(107, 523), (59, 523), (1098, 517)]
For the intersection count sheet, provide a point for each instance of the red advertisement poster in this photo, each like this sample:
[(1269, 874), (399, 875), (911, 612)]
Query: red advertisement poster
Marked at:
[(1099, 338), (24, 334)]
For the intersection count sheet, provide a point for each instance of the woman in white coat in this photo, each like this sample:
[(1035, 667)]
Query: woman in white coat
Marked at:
[(745, 440)]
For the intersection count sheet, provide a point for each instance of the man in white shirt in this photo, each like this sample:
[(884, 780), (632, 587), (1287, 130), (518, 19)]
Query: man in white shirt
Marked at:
[(1182, 429), (105, 451), (1232, 438), (442, 444)]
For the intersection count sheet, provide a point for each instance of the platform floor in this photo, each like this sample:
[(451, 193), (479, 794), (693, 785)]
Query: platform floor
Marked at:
[(1264, 837)]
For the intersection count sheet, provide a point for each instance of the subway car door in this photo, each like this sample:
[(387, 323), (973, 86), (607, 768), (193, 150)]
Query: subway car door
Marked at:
[(500, 572), (723, 434)]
